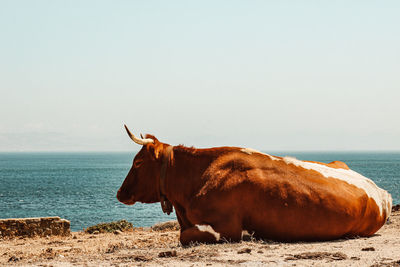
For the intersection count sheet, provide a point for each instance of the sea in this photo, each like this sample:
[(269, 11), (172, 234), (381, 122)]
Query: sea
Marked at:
[(82, 187)]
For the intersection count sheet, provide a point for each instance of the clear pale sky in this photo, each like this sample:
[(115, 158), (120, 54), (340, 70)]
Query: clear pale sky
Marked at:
[(271, 75)]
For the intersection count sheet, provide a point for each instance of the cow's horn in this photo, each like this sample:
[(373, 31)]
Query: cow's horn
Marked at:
[(138, 140)]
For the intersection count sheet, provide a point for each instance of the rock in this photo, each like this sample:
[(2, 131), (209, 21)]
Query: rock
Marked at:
[(368, 249), (13, 259), (245, 250), (166, 254), (141, 258), (29, 227)]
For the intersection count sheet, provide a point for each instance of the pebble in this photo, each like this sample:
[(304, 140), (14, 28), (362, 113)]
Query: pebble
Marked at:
[(13, 258), (166, 254), (368, 249), (245, 250)]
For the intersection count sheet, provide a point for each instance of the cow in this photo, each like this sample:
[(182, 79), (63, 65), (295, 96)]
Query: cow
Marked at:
[(219, 193)]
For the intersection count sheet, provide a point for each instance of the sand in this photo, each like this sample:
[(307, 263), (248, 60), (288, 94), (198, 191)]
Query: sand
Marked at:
[(146, 247)]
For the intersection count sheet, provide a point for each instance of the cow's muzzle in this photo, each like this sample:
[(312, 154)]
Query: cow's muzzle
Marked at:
[(126, 200)]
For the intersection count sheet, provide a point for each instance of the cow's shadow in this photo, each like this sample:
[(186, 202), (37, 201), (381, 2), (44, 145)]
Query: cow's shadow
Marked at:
[(252, 238)]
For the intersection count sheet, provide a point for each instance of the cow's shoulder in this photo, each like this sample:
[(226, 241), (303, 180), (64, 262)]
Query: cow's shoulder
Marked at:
[(235, 167)]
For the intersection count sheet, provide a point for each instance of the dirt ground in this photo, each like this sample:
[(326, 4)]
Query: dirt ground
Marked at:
[(147, 247)]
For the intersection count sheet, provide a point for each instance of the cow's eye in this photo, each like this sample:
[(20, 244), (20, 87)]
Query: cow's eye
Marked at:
[(137, 163)]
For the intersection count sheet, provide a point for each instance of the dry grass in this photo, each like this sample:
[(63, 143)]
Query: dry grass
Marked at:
[(111, 227), (148, 247)]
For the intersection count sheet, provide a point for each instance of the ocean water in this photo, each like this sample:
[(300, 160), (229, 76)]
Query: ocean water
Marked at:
[(82, 187)]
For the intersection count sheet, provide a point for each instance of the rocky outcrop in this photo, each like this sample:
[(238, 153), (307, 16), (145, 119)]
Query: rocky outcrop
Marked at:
[(29, 227), (111, 227)]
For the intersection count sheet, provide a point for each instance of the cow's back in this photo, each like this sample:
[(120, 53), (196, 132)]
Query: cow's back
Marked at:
[(282, 198)]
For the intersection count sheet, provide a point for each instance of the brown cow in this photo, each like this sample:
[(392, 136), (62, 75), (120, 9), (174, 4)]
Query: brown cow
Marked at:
[(220, 192)]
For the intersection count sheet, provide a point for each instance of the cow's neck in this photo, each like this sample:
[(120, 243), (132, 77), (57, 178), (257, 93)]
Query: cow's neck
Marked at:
[(183, 179)]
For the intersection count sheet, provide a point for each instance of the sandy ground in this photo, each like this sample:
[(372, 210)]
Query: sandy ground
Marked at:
[(146, 247)]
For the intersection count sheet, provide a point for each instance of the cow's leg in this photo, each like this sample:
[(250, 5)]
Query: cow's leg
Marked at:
[(211, 225), (199, 233), (230, 229), (181, 216), (205, 233)]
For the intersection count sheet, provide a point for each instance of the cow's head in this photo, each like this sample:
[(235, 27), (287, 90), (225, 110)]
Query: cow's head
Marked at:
[(142, 182)]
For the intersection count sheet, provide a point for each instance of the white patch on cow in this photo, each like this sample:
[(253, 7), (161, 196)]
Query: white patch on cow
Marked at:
[(250, 151), (209, 229), (382, 198), (388, 204)]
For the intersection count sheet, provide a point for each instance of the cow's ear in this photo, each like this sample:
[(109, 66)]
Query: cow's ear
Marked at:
[(156, 148)]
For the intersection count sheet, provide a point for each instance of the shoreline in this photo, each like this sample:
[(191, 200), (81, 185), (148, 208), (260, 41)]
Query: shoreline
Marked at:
[(150, 247)]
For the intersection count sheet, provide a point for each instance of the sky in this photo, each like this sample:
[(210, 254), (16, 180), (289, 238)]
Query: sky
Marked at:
[(271, 75)]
